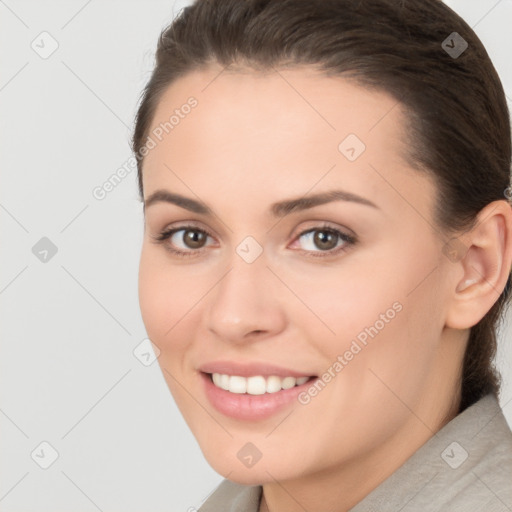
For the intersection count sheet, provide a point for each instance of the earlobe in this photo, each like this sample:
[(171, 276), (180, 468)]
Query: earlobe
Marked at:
[(486, 266)]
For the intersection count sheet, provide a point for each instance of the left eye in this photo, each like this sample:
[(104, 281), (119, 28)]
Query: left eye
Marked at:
[(326, 239)]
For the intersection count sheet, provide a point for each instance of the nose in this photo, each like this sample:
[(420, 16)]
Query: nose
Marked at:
[(248, 303)]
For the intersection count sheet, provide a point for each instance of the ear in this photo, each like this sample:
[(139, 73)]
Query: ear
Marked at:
[(485, 259)]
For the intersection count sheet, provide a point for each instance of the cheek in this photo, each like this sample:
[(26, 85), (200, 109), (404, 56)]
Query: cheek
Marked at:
[(396, 336), (149, 292), (342, 302), (379, 318), (158, 296), (170, 299)]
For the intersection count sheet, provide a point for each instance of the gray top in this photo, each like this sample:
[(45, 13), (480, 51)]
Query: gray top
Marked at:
[(466, 466)]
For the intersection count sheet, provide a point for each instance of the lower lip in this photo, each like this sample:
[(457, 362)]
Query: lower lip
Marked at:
[(243, 406)]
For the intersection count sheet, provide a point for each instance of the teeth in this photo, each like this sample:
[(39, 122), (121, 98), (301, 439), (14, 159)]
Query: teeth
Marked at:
[(273, 384), (224, 382), (257, 385), (237, 384), (288, 382), (216, 379)]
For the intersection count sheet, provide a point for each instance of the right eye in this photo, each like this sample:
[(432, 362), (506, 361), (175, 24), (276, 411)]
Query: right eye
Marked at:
[(192, 239)]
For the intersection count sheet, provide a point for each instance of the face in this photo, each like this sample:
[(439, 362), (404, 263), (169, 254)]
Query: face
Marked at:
[(317, 319)]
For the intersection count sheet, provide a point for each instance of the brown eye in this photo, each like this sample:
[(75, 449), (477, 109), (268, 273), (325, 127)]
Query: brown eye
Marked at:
[(194, 238), (325, 239), (184, 241)]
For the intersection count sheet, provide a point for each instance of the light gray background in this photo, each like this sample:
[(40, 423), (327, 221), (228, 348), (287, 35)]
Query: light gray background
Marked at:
[(69, 326)]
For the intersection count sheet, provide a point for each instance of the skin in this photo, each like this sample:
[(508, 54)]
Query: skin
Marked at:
[(255, 139)]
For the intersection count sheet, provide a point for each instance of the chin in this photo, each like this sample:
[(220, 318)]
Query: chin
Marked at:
[(246, 477), (263, 471)]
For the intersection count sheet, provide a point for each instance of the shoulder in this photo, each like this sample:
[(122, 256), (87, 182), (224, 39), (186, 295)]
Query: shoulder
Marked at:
[(478, 458), (232, 497), (484, 470), (467, 465)]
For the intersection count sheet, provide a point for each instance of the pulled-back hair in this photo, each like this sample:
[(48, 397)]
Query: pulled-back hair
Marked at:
[(457, 115)]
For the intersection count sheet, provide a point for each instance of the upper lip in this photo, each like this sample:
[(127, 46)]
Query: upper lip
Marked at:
[(249, 369)]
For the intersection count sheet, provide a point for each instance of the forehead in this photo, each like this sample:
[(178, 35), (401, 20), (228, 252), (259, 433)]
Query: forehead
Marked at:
[(283, 129), (314, 107)]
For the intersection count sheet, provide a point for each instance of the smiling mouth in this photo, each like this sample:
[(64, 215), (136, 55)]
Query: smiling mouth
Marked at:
[(257, 384)]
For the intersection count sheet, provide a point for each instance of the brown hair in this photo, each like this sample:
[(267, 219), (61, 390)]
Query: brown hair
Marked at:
[(458, 120)]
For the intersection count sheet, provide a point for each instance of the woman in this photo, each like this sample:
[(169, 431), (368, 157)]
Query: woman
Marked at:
[(327, 252)]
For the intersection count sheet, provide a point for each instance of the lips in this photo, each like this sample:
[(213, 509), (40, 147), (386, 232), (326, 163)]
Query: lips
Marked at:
[(251, 391)]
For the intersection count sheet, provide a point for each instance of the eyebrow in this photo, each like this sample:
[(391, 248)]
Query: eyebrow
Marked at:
[(279, 209)]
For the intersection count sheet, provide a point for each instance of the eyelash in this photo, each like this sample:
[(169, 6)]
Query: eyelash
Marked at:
[(348, 239)]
